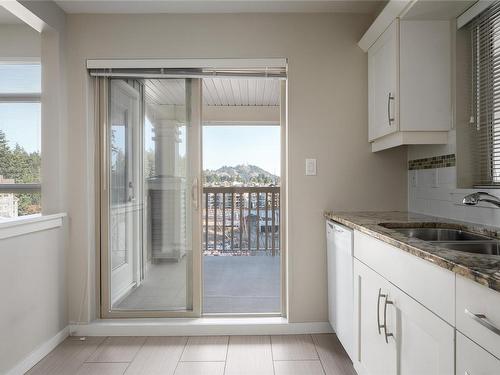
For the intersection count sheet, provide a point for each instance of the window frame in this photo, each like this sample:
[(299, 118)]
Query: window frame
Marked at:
[(20, 98)]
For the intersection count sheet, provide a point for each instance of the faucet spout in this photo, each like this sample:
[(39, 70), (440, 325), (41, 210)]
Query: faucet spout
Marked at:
[(481, 196)]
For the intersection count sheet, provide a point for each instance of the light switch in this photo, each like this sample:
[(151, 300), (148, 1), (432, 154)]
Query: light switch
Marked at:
[(413, 178), (435, 178), (310, 167)]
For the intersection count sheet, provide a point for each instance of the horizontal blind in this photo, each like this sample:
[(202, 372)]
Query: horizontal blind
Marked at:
[(485, 34), (278, 73)]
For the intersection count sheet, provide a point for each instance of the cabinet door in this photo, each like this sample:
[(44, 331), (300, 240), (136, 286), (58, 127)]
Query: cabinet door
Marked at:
[(474, 360), (425, 342), (383, 93), (372, 354)]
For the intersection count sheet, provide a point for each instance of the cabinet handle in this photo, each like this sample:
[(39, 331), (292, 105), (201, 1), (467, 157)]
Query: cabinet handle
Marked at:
[(380, 295), (389, 98), (481, 319), (387, 335)]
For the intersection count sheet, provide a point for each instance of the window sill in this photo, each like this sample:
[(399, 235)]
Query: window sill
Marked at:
[(29, 224)]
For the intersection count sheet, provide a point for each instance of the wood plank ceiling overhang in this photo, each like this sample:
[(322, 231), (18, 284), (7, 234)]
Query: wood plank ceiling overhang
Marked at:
[(217, 92)]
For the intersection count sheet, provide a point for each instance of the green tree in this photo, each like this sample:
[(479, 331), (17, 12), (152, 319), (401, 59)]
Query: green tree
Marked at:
[(22, 167)]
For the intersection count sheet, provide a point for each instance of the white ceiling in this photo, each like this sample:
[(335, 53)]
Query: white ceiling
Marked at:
[(217, 92), (437, 10), (219, 6), (7, 18)]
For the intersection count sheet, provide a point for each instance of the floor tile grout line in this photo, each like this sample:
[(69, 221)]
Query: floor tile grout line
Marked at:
[(317, 353), (182, 353), (227, 351), (136, 353), (96, 349), (272, 354)]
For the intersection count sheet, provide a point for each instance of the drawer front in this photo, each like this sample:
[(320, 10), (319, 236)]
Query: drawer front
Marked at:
[(431, 285), (478, 314), (474, 360)]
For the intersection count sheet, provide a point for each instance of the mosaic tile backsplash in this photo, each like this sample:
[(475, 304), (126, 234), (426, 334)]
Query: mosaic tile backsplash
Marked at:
[(441, 161)]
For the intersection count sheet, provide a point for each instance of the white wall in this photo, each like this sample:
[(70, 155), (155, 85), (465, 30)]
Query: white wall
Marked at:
[(33, 279), (19, 42), (445, 200), (33, 293), (453, 183), (327, 121)]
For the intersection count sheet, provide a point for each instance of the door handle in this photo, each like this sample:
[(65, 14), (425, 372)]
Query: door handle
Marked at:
[(131, 194), (389, 98), (194, 193), (387, 335), (481, 319)]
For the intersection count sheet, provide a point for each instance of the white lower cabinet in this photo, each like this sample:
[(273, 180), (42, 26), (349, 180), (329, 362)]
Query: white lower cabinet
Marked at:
[(474, 360), (394, 334), (372, 354)]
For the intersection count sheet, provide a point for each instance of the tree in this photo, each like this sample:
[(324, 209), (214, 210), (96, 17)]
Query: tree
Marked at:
[(22, 167)]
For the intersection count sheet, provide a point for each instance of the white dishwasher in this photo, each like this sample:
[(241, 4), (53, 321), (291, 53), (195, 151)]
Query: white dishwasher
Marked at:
[(340, 261)]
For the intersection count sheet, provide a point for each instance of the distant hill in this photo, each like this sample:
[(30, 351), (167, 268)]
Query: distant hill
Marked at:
[(240, 175)]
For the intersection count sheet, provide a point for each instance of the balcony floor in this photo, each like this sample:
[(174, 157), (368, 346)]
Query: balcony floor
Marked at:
[(232, 284)]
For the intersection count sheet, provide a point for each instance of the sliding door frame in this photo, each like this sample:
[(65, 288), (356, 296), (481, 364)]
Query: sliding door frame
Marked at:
[(101, 99)]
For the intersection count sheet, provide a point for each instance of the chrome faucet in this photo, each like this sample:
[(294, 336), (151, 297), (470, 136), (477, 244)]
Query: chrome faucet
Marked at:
[(480, 196)]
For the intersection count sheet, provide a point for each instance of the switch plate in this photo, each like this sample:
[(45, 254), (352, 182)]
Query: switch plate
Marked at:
[(310, 167), (435, 178), (413, 178)]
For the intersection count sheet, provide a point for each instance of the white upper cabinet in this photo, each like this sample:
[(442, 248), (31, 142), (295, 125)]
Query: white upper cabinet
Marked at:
[(409, 84), (383, 85)]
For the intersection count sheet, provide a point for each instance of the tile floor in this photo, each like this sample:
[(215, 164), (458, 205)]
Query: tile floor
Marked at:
[(206, 355)]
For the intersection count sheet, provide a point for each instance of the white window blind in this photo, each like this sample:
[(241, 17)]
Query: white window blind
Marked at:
[(190, 68), (485, 111)]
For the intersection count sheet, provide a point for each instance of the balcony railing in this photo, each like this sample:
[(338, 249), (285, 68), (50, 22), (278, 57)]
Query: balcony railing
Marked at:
[(241, 220)]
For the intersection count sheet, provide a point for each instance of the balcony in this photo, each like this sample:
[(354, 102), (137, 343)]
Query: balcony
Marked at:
[(241, 247), (241, 255)]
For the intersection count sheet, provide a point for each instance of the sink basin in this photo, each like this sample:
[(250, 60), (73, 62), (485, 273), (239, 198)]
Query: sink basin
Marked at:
[(489, 248), (440, 234)]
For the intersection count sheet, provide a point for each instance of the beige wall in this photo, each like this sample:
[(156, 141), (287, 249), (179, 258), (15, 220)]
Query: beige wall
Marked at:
[(327, 121), (19, 42)]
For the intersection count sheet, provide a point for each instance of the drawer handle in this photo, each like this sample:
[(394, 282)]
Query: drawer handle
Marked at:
[(380, 295), (387, 335), (481, 319)]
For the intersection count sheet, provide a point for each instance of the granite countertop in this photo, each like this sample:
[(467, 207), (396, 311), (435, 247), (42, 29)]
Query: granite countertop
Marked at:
[(484, 269)]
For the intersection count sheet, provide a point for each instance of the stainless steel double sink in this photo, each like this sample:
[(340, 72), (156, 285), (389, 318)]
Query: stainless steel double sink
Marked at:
[(449, 238)]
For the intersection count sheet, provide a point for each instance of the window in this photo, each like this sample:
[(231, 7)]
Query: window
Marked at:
[(485, 111), (20, 159)]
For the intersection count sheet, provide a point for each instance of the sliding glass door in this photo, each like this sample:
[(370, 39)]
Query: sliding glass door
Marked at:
[(149, 132)]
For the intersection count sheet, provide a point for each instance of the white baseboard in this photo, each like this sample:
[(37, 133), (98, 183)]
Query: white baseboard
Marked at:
[(197, 327), (36, 355)]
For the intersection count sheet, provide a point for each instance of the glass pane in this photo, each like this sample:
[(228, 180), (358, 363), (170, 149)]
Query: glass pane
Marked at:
[(241, 219), (19, 156), (125, 212), (20, 78), (150, 234)]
